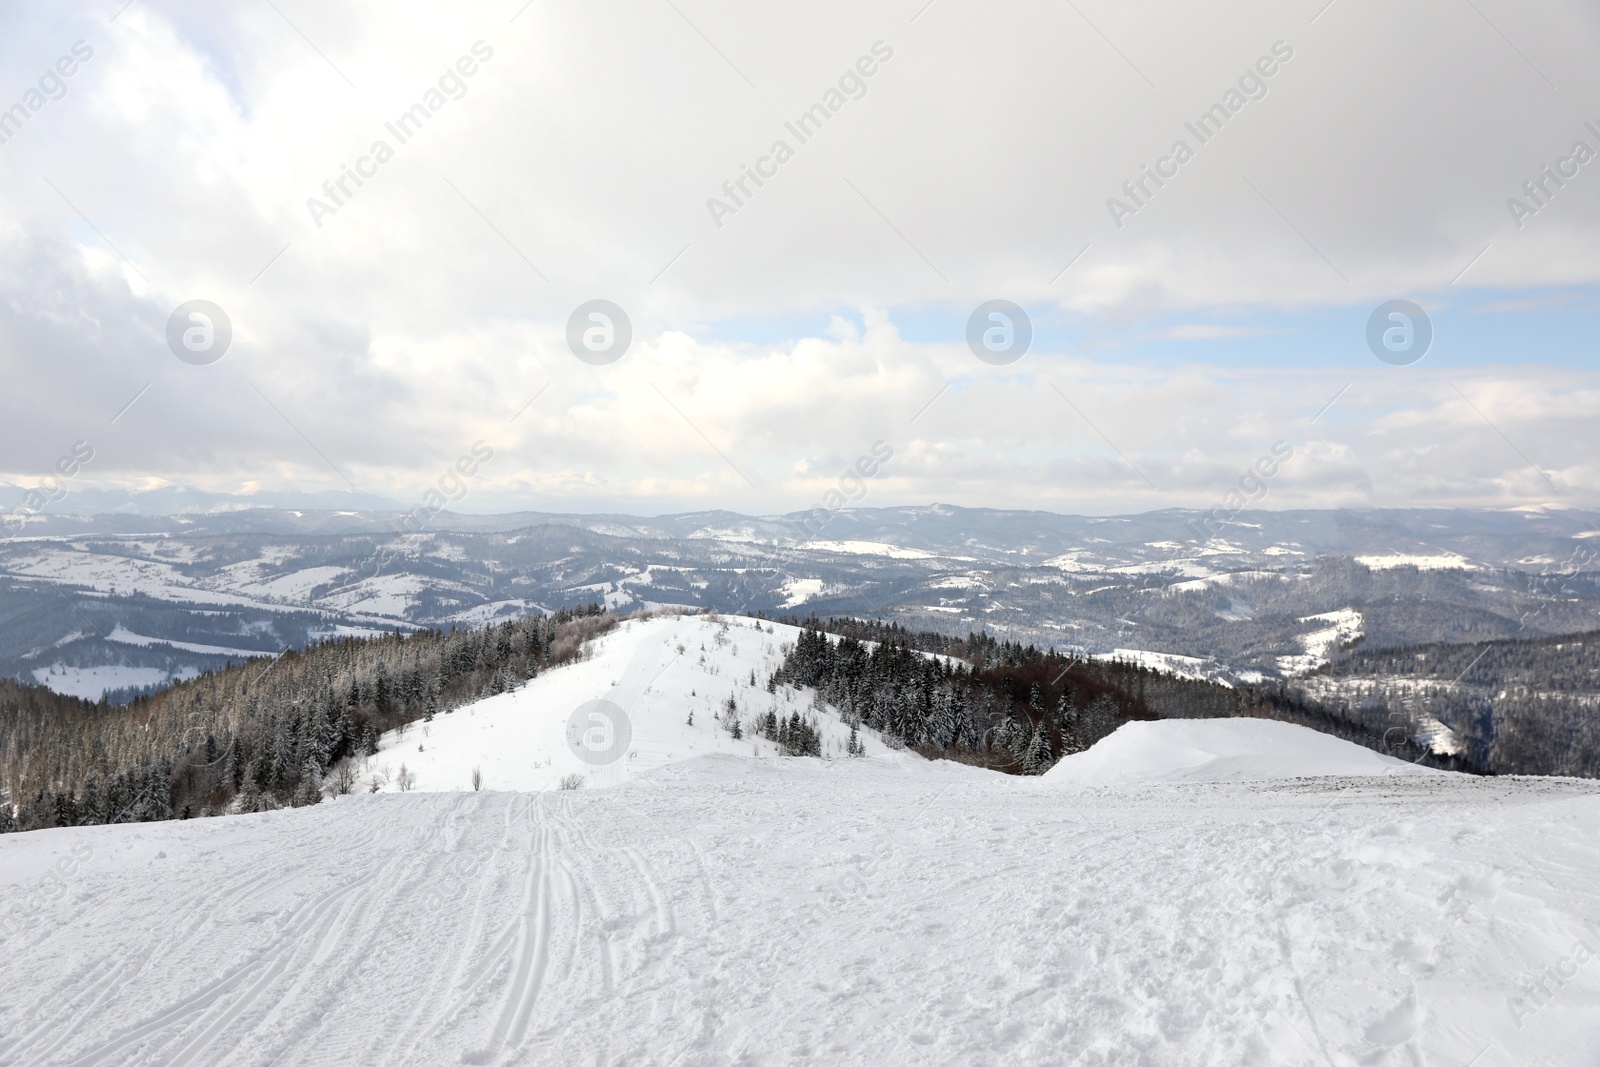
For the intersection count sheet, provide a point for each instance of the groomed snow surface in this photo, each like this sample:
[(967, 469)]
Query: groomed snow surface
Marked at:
[(1185, 893)]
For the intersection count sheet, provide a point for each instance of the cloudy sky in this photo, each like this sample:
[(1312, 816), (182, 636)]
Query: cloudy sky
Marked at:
[(958, 153)]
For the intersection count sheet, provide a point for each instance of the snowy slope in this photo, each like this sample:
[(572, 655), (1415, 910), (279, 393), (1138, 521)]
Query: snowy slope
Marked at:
[(1201, 750), (1248, 895), (651, 674), (730, 910)]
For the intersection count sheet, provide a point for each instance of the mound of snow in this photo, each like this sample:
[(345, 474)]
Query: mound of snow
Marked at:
[(651, 674), (1206, 750)]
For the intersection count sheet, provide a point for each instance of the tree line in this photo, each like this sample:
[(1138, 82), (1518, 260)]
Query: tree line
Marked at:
[(1020, 709), (1515, 705), (260, 734), (275, 732)]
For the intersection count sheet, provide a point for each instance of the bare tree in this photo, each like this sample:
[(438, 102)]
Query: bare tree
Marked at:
[(572, 781), (343, 779), (477, 779), (405, 779)]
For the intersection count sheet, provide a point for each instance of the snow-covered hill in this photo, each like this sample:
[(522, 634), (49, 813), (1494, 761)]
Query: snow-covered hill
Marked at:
[(623, 711), (1231, 892), (1207, 750)]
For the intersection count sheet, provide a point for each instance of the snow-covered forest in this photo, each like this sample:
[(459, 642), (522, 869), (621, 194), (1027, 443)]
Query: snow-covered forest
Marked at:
[(291, 730), (261, 734)]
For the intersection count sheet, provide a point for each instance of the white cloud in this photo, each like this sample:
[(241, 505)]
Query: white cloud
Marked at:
[(415, 321)]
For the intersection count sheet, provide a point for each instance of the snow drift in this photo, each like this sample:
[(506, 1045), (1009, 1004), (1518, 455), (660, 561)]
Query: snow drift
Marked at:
[(1204, 750)]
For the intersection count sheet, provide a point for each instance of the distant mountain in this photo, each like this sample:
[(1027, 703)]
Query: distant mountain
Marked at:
[(96, 602), (186, 499), (1526, 538)]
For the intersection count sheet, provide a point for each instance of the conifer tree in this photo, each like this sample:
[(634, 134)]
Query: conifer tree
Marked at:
[(309, 791), (1036, 757)]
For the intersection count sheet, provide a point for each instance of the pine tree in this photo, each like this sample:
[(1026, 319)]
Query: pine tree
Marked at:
[(1067, 722), (1099, 719), (66, 809), (235, 763), (92, 810), (250, 795), (309, 791), (382, 691), (1036, 757)]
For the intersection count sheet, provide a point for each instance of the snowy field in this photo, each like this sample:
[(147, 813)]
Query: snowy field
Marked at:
[(1226, 892), (652, 675)]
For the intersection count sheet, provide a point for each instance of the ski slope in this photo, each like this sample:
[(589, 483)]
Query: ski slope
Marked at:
[(1240, 897), (653, 674)]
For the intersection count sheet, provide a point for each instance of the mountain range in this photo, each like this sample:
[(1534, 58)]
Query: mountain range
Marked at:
[(123, 600)]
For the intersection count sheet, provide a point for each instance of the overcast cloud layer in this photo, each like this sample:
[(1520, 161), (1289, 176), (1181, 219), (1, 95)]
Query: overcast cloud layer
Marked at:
[(784, 328)]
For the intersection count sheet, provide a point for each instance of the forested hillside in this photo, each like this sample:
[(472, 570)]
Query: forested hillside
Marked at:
[(1019, 709), (1513, 706), (282, 731), (260, 734)]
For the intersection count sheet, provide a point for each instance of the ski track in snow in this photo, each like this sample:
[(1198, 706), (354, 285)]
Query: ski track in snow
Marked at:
[(724, 909), (1301, 921)]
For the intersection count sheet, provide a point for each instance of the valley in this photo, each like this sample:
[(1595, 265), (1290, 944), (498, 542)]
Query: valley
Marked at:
[(122, 603)]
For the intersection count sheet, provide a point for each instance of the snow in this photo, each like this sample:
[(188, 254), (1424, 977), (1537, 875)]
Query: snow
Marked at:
[(1197, 667), (1200, 750), (295, 586), (1344, 626), (1440, 739), (520, 740), (118, 575), (958, 581), (128, 637), (797, 591), (390, 595), (1227, 578), (1443, 561), (91, 683), (870, 548), (493, 611), (1185, 893)]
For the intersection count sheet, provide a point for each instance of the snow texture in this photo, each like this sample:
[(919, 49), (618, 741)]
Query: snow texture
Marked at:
[(1225, 892), (1203, 750), (525, 739)]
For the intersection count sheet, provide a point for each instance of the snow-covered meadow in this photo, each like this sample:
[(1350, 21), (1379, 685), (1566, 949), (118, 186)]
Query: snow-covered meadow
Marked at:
[(1220, 892)]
